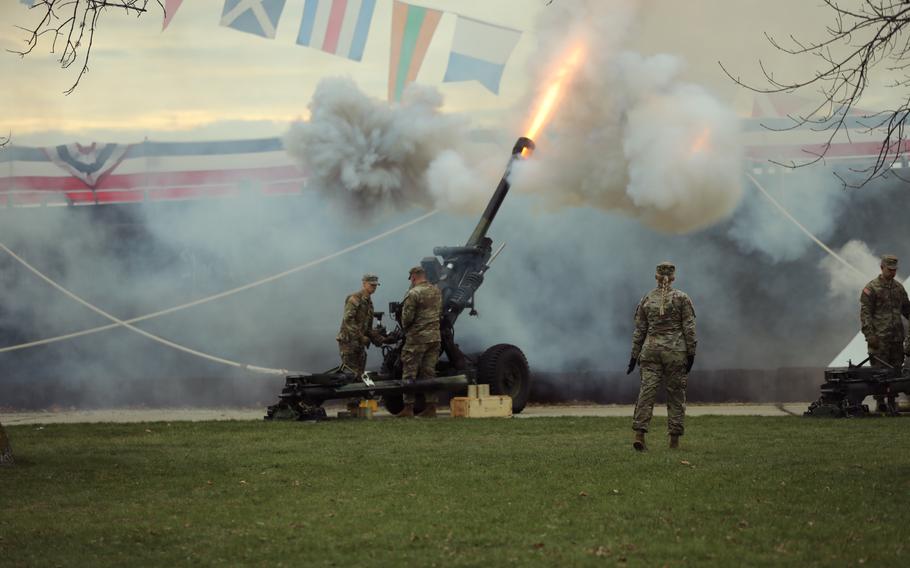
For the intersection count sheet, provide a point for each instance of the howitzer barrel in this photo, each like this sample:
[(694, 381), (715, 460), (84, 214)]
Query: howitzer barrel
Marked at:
[(480, 231)]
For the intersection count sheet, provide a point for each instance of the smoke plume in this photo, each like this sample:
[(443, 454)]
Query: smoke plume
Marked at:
[(369, 155), (630, 135)]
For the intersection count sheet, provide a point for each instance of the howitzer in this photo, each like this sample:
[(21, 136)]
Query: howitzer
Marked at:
[(462, 269), (845, 388), (459, 274)]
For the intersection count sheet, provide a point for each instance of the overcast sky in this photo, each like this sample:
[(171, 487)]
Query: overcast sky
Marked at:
[(198, 79)]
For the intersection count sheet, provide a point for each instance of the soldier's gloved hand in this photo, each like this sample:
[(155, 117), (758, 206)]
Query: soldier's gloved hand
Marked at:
[(632, 362), (690, 360), (364, 340), (872, 343)]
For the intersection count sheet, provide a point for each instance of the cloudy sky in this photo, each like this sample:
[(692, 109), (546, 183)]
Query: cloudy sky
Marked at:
[(198, 79)]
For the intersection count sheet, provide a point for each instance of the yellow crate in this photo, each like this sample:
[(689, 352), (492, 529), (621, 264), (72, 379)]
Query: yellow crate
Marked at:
[(482, 407), (478, 391)]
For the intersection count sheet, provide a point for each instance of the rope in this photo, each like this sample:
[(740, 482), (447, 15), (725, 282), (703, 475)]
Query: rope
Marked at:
[(815, 239), (127, 323)]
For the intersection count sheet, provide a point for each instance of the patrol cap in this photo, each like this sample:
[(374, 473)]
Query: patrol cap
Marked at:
[(666, 269), (889, 261), (371, 278), (416, 270)]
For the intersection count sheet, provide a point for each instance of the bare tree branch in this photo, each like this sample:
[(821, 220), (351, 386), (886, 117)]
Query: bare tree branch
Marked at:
[(858, 40), (71, 25)]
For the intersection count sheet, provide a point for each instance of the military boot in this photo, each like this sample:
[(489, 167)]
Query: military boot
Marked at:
[(429, 411), (674, 441), (639, 442), (406, 412)]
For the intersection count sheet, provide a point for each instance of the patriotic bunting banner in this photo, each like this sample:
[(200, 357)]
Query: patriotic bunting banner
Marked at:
[(87, 163), (147, 171), (480, 52), (170, 8), (259, 17), (337, 26), (412, 30)]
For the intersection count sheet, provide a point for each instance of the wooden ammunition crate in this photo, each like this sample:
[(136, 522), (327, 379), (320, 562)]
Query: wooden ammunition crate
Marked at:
[(481, 407)]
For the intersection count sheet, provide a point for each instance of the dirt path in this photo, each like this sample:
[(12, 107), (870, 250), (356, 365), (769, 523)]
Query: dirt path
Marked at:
[(15, 418)]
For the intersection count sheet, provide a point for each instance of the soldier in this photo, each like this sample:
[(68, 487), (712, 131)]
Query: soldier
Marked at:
[(882, 303), (420, 314), (663, 344), (357, 331)]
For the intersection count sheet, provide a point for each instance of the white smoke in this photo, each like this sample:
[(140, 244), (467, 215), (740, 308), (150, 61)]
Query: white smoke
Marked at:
[(629, 134), (815, 198), (369, 154), (845, 283)]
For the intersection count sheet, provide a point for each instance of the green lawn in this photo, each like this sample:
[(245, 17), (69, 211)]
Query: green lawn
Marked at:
[(545, 491)]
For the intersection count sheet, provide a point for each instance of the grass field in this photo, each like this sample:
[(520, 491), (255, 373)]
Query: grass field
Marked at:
[(546, 491)]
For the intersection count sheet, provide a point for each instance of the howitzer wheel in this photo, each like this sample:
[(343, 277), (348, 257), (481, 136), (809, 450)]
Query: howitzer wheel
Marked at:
[(505, 368)]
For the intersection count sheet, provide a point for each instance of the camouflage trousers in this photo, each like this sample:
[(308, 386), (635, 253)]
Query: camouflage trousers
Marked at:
[(419, 362), (667, 369), (891, 352), (353, 356)]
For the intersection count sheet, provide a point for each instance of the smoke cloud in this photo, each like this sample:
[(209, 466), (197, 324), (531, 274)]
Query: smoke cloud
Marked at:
[(630, 135), (845, 283), (368, 155)]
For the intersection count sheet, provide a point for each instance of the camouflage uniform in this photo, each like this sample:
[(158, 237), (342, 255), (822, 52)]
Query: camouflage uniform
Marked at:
[(882, 304), (357, 331), (420, 313), (663, 340)]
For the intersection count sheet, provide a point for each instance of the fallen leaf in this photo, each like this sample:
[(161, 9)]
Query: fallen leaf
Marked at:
[(743, 524), (582, 494), (147, 430), (616, 492), (685, 462), (537, 545), (242, 482)]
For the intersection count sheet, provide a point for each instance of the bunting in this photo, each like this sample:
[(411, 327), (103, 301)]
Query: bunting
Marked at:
[(480, 52), (337, 26), (87, 163), (412, 30), (259, 17)]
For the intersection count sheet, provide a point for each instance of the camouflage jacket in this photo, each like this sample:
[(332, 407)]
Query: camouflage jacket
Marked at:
[(420, 313), (672, 331), (357, 321), (882, 304)]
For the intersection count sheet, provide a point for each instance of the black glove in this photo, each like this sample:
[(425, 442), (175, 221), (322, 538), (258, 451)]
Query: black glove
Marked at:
[(690, 360), (632, 362)]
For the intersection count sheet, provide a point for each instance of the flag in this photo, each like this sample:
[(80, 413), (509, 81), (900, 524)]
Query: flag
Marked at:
[(170, 8), (259, 17), (337, 26), (479, 52), (412, 30)]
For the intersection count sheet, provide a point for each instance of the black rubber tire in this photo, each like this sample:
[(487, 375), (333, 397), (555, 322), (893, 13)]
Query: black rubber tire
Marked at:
[(505, 368)]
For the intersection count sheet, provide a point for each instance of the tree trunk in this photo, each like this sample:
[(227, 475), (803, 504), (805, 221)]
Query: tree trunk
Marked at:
[(6, 451)]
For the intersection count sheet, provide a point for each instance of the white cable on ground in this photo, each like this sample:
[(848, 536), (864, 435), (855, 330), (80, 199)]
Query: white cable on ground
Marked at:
[(127, 323), (787, 214)]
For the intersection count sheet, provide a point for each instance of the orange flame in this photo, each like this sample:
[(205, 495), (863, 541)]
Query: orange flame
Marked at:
[(551, 97), (701, 142)]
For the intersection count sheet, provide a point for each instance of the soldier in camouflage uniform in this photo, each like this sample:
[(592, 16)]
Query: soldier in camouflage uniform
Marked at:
[(882, 303), (420, 314), (663, 344), (357, 331)]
